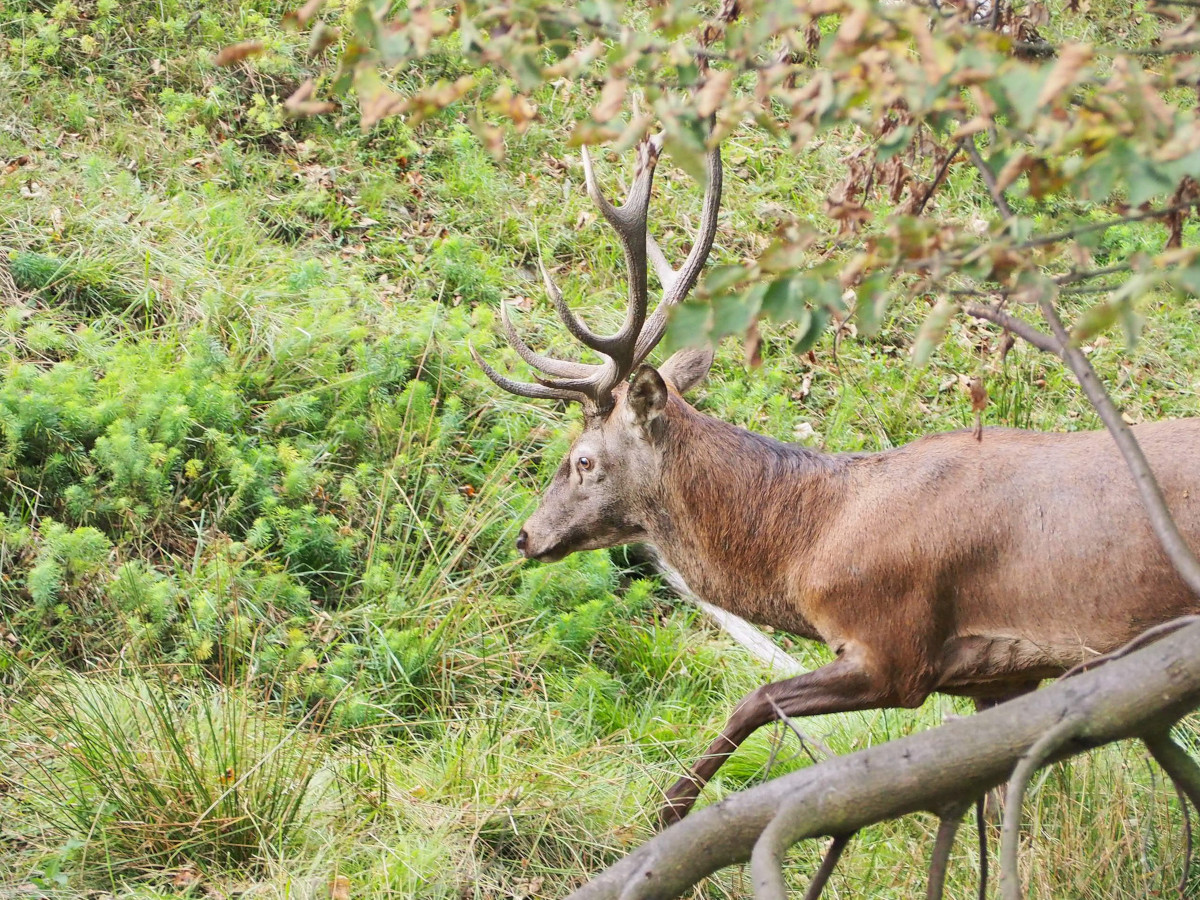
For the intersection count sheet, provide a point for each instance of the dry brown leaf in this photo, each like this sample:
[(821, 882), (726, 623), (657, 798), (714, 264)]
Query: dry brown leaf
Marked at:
[(301, 104), (710, 97), (1012, 170), (1071, 59), (339, 888), (185, 877), (322, 36), (612, 95), (753, 347), (970, 127), (227, 56)]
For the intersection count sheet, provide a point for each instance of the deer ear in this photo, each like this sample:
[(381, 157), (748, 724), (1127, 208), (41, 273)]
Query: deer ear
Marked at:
[(686, 368), (647, 396)]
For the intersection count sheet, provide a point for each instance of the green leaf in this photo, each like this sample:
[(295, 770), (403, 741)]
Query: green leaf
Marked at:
[(721, 278), (690, 325), (783, 300), (871, 299), (933, 331), (812, 326), (1095, 319)]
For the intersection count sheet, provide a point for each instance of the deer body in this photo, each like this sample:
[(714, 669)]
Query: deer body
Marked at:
[(973, 567), (1012, 558)]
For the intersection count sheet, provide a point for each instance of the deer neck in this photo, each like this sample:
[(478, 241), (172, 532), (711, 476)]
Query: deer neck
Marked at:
[(738, 514)]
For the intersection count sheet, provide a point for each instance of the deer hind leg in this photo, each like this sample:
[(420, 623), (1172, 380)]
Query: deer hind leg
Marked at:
[(844, 685)]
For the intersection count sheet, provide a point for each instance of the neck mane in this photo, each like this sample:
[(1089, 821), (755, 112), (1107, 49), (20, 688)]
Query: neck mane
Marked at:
[(740, 511)]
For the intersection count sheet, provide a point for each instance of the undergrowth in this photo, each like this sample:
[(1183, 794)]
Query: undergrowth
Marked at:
[(262, 626)]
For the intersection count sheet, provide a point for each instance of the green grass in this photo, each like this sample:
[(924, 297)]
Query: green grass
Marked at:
[(242, 442)]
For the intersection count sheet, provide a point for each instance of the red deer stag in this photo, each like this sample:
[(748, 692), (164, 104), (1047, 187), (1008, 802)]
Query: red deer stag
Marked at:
[(968, 567)]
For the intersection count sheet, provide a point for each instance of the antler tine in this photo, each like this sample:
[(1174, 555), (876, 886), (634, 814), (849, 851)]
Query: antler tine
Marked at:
[(574, 324), (549, 365), (526, 389), (629, 222), (676, 283)]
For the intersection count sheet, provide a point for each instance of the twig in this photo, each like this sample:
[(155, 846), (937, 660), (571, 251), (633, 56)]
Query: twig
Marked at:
[(1149, 636), (981, 825), (1176, 762), (1173, 543), (941, 173), (989, 179), (828, 864), (1008, 322), (804, 741), (939, 861), (1010, 833), (1187, 840)]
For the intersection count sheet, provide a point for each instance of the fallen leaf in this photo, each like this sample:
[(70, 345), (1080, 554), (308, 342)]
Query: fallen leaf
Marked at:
[(185, 877)]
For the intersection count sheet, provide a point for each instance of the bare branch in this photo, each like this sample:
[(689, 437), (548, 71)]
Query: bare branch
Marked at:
[(962, 759), (989, 179), (1149, 636), (939, 861), (828, 864), (1010, 833), (1009, 322), (1176, 762)]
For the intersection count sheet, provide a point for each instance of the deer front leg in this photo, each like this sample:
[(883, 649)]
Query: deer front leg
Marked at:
[(844, 685)]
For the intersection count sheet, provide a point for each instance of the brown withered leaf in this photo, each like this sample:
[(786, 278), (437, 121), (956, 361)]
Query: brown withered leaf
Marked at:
[(298, 18), (227, 56), (612, 96), (979, 394), (1012, 170), (753, 347), (301, 104), (710, 97), (1071, 59), (15, 164), (322, 36)]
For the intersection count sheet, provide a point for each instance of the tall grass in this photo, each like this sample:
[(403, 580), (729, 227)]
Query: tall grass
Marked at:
[(157, 775)]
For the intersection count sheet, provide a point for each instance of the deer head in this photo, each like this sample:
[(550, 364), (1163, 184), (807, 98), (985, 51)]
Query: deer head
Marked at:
[(603, 493)]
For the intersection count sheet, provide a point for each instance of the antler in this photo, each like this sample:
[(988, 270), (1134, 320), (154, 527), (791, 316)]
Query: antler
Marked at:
[(592, 385)]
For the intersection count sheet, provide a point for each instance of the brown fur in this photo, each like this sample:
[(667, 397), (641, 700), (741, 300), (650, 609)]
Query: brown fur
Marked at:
[(950, 564)]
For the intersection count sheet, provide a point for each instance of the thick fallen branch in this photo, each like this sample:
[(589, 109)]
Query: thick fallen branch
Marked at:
[(1140, 695)]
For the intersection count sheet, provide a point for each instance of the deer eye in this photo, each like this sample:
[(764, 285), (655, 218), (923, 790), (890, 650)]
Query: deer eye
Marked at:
[(585, 464)]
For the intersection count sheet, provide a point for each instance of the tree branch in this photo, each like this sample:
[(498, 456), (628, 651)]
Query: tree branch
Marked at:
[(989, 179), (1135, 695), (1010, 834), (1009, 322), (828, 864), (939, 860)]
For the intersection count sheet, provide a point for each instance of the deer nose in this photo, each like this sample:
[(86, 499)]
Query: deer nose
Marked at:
[(522, 540)]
